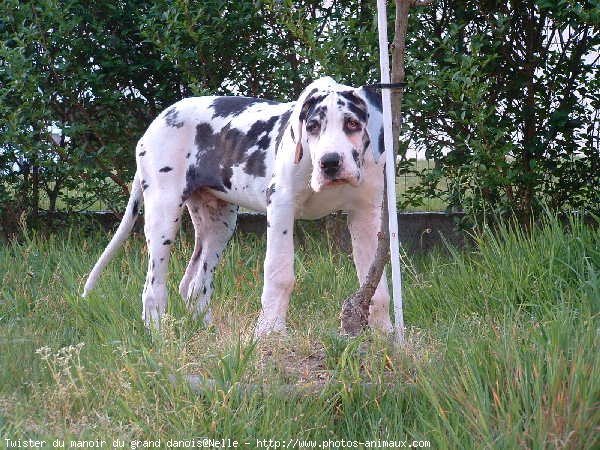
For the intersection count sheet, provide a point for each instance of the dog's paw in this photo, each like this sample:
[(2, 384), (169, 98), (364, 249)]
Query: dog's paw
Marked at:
[(380, 321), (152, 319), (204, 314), (268, 325)]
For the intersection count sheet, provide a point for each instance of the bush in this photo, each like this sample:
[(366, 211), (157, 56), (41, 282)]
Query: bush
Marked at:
[(504, 100)]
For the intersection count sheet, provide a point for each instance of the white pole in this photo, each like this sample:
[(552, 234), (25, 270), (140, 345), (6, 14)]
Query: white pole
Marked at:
[(390, 172)]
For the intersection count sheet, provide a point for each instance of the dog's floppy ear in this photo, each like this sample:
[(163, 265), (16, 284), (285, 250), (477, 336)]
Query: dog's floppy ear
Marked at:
[(301, 108), (375, 122)]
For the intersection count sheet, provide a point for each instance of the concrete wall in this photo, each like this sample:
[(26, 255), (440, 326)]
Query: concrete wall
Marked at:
[(419, 231)]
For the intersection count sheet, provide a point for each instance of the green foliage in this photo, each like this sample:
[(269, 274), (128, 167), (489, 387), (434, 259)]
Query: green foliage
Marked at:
[(505, 98), (269, 48), (83, 72)]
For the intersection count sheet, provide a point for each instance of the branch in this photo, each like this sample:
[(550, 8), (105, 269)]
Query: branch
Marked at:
[(84, 176), (421, 2), (325, 20), (355, 309)]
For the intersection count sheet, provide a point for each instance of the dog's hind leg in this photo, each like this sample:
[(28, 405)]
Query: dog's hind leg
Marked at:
[(162, 214), (214, 222)]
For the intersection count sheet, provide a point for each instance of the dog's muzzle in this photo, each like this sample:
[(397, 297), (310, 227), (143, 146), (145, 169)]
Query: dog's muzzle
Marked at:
[(330, 165)]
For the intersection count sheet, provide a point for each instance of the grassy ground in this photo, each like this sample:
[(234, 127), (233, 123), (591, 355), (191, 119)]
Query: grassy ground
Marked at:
[(502, 349)]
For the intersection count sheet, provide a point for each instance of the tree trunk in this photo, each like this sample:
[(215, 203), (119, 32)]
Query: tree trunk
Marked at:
[(355, 309), (53, 196), (529, 118), (35, 189), (398, 73)]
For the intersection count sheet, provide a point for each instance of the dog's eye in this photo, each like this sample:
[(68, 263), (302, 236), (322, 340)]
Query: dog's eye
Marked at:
[(313, 126), (353, 125)]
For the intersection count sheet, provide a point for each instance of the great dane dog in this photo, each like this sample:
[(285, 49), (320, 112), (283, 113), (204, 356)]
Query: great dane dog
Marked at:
[(304, 159)]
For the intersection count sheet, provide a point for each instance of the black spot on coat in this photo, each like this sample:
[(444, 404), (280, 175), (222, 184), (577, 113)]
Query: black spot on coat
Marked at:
[(270, 191), (219, 152), (255, 165), (312, 92), (197, 255), (136, 205), (232, 106), (167, 242), (360, 113), (320, 112), (373, 97), (283, 123), (356, 105), (205, 173), (165, 169), (261, 129), (171, 118), (309, 105), (366, 142)]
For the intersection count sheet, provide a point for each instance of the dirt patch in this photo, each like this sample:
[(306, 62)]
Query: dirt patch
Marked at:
[(304, 364)]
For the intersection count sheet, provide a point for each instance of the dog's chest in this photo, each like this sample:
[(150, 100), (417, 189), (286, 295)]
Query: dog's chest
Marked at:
[(319, 204), (250, 193)]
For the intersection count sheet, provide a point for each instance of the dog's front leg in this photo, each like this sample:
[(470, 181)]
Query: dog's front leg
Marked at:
[(364, 224), (279, 261)]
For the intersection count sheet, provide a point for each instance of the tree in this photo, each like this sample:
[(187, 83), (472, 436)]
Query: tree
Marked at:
[(78, 87), (504, 96)]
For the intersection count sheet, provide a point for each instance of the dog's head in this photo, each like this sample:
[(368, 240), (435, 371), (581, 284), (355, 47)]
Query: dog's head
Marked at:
[(335, 125)]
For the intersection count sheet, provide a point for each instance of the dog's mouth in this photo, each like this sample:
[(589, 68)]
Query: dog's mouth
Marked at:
[(337, 181), (320, 182), (352, 181)]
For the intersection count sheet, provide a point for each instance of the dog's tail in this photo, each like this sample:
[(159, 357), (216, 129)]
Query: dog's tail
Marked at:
[(131, 213)]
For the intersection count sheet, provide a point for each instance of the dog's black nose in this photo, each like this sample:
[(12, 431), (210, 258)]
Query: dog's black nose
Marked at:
[(330, 163)]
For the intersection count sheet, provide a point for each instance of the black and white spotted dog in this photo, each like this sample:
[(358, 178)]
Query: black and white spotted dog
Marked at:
[(293, 160)]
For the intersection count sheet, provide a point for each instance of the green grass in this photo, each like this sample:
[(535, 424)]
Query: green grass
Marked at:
[(502, 348)]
